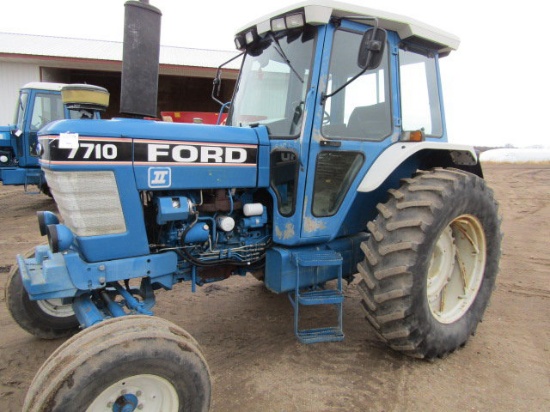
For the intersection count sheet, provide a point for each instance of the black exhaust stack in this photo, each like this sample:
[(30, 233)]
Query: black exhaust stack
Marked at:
[(140, 59)]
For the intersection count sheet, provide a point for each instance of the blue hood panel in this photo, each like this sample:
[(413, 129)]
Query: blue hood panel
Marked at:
[(163, 155)]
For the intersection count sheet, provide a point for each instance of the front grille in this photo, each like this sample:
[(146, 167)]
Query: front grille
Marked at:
[(88, 202)]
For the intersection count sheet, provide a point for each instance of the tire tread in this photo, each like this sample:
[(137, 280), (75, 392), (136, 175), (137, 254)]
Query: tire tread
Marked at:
[(389, 268)]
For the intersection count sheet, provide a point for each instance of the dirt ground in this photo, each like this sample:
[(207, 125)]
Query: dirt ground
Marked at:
[(257, 364)]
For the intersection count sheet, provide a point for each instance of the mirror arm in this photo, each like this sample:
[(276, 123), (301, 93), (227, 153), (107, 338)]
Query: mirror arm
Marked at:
[(220, 114), (326, 96), (218, 79)]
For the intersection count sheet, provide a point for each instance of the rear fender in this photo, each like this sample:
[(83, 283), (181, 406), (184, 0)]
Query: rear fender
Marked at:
[(424, 155)]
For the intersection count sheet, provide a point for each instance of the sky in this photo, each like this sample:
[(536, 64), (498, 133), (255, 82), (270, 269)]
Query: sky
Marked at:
[(495, 89)]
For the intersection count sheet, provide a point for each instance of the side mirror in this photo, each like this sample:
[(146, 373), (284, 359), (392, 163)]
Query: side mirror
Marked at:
[(216, 85), (371, 49)]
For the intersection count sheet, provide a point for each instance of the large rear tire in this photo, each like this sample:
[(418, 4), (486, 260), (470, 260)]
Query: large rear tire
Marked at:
[(130, 363), (45, 319), (431, 262)]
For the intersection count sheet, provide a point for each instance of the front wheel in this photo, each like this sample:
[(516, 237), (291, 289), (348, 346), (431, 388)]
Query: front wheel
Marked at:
[(431, 262), (45, 319), (139, 363)]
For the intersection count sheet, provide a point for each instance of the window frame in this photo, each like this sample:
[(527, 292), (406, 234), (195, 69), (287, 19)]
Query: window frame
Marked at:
[(341, 96), (433, 89)]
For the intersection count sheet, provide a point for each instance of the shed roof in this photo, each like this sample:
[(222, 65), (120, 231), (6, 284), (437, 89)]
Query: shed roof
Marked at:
[(14, 44)]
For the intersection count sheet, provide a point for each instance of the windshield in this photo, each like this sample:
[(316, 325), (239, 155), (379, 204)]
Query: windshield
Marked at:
[(20, 110), (273, 83), (47, 107)]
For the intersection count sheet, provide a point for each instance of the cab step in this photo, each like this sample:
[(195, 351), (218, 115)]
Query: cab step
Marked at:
[(33, 177), (318, 296)]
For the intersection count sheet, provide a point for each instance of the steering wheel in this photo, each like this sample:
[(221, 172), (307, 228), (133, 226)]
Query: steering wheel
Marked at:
[(326, 118), (39, 124)]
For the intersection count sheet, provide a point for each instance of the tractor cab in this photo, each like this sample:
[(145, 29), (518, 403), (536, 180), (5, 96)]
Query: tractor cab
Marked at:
[(337, 85), (38, 104)]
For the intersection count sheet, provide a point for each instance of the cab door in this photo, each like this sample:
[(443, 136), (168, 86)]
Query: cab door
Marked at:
[(350, 129), (44, 107)]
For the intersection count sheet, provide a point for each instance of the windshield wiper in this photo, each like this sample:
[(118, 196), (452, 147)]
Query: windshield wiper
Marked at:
[(281, 52)]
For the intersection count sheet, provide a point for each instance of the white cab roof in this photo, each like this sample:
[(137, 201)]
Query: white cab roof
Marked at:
[(44, 86), (320, 11)]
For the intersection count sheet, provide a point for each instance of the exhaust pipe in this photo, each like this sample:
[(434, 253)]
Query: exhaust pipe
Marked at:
[(140, 59)]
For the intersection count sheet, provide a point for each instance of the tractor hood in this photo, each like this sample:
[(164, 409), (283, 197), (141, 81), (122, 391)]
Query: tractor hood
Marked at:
[(5, 135), (162, 155), (6, 145)]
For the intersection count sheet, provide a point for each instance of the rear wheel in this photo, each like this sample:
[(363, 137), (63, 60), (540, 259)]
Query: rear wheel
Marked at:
[(431, 262), (131, 363), (45, 319)]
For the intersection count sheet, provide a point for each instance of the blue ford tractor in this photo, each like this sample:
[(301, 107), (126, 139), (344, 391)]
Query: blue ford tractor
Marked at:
[(38, 104), (334, 163)]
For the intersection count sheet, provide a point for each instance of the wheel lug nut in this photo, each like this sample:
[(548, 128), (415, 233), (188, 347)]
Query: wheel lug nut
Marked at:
[(123, 392), (138, 394)]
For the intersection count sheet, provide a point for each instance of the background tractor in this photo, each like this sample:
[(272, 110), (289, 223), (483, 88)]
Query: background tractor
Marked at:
[(38, 104)]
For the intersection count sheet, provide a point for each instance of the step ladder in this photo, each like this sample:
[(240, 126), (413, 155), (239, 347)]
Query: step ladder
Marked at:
[(30, 176), (318, 296)]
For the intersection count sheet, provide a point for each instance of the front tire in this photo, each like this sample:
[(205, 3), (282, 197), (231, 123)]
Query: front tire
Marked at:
[(45, 319), (431, 262), (130, 363)]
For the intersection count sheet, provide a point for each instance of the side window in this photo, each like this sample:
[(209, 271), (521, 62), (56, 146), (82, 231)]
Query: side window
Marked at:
[(362, 109), (420, 106), (46, 109), (20, 110), (334, 174), (284, 174)]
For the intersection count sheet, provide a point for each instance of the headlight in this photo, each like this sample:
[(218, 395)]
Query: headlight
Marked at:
[(290, 21), (294, 20), (60, 238), (44, 220), (250, 36)]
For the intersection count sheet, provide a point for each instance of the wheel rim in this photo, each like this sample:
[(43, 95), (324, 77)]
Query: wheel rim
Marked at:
[(148, 393), (456, 269), (55, 308)]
